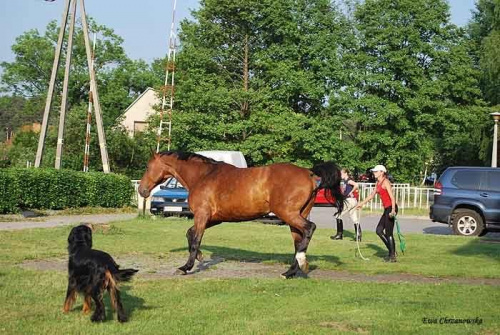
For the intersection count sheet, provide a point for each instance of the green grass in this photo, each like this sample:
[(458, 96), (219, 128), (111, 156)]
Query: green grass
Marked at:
[(32, 300)]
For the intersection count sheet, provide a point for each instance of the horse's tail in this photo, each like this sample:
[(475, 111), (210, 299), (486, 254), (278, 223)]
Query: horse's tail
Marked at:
[(330, 182)]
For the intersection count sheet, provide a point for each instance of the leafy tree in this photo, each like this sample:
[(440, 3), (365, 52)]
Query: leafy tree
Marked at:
[(10, 110), (417, 91), (120, 81), (256, 75), (484, 29)]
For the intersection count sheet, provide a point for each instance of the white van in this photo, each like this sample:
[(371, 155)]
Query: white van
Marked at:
[(235, 158)]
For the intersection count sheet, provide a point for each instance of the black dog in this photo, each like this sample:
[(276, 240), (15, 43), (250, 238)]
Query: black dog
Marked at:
[(90, 272)]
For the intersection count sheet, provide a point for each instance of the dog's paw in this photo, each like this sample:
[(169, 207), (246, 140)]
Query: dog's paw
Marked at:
[(97, 317)]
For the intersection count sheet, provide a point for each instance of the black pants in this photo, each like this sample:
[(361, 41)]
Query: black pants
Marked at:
[(385, 227)]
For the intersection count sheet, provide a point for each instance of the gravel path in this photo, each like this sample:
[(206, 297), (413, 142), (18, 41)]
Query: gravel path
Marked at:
[(153, 268), (61, 220)]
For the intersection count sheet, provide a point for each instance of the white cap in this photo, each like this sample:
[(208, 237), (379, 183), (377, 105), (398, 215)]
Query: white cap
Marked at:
[(379, 168)]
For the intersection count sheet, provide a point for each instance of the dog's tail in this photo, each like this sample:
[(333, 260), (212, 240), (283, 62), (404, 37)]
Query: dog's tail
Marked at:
[(112, 279), (125, 274)]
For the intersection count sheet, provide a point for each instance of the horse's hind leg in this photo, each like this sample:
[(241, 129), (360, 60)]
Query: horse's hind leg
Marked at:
[(297, 238), (310, 227), (194, 236), (302, 231)]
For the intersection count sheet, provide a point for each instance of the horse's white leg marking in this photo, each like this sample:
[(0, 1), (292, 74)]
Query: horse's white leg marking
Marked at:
[(301, 258)]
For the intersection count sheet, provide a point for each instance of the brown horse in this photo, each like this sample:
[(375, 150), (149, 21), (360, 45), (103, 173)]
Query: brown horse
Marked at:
[(222, 192)]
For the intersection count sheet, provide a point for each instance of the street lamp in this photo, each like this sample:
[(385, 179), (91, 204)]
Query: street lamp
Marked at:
[(496, 118)]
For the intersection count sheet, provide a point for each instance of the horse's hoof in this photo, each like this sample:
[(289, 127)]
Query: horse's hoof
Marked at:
[(305, 267), (199, 256), (180, 272), (287, 275)]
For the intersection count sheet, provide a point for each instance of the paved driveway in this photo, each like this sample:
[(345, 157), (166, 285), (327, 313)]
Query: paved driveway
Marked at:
[(323, 217)]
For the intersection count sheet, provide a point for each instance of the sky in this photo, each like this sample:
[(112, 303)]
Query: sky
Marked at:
[(143, 24)]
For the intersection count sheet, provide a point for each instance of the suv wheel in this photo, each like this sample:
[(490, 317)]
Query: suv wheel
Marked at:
[(467, 222)]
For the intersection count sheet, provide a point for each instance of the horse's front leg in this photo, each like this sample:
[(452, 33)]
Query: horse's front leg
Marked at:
[(194, 236), (190, 237)]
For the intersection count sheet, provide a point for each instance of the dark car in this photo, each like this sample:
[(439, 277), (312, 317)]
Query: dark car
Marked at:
[(468, 199)]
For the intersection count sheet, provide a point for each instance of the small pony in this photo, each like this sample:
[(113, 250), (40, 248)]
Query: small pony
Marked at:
[(90, 272)]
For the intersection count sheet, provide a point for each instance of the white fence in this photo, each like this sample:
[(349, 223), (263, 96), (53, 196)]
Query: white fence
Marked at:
[(406, 196), (135, 196)]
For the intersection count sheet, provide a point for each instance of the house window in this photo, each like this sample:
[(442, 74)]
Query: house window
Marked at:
[(139, 126)]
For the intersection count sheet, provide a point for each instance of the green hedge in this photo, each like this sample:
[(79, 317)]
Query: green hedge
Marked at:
[(9, 192), (59, 189)]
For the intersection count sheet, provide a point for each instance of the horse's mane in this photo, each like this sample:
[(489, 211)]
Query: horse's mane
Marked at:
[(186, 156)]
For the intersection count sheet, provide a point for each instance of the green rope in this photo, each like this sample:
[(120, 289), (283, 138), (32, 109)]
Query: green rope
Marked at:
[(402, 241)]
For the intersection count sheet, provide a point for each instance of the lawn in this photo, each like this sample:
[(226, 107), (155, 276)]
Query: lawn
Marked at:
[(199, 304)]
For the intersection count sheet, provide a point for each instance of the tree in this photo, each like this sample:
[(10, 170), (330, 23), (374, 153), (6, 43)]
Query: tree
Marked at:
[(256, 75), (484, 30), (120, 81), (415, 78)]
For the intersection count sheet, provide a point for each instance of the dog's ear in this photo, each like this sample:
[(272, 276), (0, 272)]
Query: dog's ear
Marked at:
[(91, 226), (88, 238), (71, 237)]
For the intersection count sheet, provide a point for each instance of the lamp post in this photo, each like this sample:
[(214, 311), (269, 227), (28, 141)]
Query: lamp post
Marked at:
[(496, 118)]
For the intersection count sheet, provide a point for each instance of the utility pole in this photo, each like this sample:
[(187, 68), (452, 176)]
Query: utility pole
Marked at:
[(496, 118), (95, 93), (86, 155), (50, 92), (62, 115), (93, 89)]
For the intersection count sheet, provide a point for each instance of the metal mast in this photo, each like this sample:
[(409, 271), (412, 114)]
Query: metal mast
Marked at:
[(168, 89)]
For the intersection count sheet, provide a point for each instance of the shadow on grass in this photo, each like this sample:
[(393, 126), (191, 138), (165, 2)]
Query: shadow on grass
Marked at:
[(129, 302), (132, 303), (349, 235), (482, 246), (438, 230), (240, 255), (379, 251)]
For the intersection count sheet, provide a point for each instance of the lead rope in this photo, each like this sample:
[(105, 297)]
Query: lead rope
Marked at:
[(357, 238), (402, 240)]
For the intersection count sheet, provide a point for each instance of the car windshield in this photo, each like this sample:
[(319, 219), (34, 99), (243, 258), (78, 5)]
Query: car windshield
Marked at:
[(173, 183)]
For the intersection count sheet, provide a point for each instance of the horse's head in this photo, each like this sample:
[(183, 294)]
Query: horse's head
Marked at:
[(156, 173)]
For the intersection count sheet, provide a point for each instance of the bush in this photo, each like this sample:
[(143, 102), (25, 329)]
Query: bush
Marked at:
[(59, 189), (9, 192)]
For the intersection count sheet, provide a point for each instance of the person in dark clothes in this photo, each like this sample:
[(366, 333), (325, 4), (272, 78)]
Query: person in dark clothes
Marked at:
[(350, 191)]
